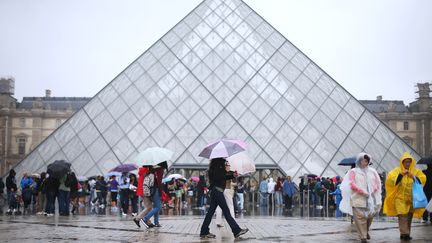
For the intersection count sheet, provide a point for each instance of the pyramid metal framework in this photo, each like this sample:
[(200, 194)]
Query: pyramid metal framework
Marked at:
[(222, 72)]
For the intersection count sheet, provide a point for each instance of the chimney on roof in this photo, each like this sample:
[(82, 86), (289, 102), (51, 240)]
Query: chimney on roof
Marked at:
[(47, 93), (424, 96), (379, 98)]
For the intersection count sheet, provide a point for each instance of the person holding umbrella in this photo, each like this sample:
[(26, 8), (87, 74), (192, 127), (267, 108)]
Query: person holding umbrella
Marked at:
[(218, 175), (156, 172)]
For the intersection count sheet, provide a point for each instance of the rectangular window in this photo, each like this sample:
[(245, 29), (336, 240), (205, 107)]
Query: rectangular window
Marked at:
[(405, 126), (22, 122), (21, 146)]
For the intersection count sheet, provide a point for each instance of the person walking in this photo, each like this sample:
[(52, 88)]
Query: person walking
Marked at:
[(156, 198), (428, 191), (217, 173), (398, 201), (229, 195), (361, 190), (145, 190)]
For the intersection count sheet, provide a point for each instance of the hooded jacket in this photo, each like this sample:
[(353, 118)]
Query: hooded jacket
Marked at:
[(141, 174), (271, 186), (399, 195), (361, 188)]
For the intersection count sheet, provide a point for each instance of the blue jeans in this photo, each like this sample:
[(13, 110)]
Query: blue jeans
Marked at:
[(278, 197), (157, 205), (217, 198), (263, 199), (64, 201)]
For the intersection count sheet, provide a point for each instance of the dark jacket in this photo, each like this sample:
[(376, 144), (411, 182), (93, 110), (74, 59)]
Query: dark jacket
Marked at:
[(11, 183), (73, 184), (428, 186), (52, 184), (2, 185), (218, 175)]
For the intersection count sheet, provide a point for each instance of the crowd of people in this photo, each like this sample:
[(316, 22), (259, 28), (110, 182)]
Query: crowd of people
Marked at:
[(361, 193)]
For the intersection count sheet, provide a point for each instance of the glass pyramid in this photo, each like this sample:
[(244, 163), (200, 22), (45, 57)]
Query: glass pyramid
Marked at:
[(222, 72)]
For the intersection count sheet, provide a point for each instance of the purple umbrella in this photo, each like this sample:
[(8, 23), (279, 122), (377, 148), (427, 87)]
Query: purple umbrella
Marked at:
[(222, 149), (125, 168)]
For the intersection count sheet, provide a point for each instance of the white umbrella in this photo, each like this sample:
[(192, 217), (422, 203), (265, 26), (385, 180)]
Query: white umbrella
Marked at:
[(175, 176), (153, 156), (242, 163)]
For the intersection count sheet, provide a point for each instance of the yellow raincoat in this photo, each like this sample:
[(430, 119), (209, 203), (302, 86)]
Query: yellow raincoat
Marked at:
[(399, 197)]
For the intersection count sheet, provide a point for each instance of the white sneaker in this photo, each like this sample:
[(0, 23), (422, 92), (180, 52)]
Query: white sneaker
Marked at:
[(123, 214)]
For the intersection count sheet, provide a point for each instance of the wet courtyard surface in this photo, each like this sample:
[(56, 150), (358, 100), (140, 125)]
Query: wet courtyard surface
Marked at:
[(265, 225)]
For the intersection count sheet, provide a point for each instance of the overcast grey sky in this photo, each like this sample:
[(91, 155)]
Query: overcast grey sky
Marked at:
[(75, 48)]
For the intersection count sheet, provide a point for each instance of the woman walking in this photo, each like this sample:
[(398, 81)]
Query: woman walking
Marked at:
[(398, 201), (361, 195), (229, 195), (218, 175)]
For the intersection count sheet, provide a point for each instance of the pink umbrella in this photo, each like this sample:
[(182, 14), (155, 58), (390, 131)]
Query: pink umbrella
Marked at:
[(222, 149), (194, 178)]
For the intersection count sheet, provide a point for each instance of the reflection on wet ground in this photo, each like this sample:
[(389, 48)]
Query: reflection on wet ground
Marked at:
[(266, 224)]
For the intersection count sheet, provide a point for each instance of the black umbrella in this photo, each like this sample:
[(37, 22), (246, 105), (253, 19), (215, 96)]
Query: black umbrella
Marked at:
[(58, 168), (348, 161), (425, 161)]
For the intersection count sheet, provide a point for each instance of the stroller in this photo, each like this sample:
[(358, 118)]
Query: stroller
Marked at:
[(14, 204)]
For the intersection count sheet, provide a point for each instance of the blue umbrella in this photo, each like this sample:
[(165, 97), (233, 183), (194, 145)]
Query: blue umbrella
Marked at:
[(348, 161)]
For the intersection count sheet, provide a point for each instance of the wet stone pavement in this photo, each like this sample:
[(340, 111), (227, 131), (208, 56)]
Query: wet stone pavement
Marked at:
[(273, 227)]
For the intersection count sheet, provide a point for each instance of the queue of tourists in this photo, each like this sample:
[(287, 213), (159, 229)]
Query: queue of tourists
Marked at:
[(359, 194)]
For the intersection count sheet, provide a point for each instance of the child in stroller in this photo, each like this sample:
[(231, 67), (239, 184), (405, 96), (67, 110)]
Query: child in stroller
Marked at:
[(14, 204)]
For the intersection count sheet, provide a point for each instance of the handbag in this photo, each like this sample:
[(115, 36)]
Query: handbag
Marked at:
[(418, 196)]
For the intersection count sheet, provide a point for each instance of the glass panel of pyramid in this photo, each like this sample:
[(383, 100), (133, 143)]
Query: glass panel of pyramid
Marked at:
[(222, 72)]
